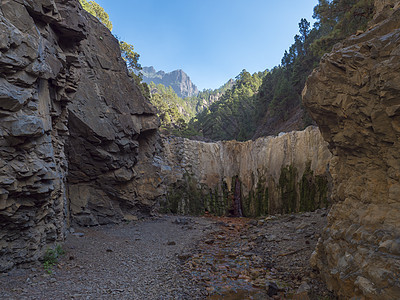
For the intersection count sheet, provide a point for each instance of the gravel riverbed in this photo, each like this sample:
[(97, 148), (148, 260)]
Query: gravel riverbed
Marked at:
[(173, 257)]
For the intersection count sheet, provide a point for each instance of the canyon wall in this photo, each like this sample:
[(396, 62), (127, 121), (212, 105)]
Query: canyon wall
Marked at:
[(109, 122), (354, 97), (72, 126), (283, 174)]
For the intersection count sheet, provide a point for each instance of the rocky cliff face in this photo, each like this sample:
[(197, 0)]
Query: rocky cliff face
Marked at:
[(178, 80), (63, 123), (270, 175), (39, 63), (107, 119), (354, 97)]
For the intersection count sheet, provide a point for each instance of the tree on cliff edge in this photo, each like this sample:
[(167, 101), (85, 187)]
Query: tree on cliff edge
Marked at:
[(96, 10), (127, 51)]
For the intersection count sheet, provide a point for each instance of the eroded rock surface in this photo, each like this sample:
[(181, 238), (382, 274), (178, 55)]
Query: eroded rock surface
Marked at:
[(39, 74), (108, 118), (354, 97), (62, 82), (270, 175)]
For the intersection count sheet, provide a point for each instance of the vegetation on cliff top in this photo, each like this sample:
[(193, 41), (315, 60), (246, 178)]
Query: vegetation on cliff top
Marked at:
[(127, 50), (255, 105), (278, 99), (96, 10), (176, 113), (231, 117), (173, 111)]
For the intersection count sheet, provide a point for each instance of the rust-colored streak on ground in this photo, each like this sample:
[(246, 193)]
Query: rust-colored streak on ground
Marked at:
[(225, 263), (267, 258)]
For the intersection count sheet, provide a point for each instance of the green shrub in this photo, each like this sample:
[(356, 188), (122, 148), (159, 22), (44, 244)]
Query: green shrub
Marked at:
[(51, 257)]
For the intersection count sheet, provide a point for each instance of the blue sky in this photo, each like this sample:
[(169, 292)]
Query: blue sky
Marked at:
[(211, 40)]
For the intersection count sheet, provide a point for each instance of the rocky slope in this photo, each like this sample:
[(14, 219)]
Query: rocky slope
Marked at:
[(178, 80), (269, 175), (354, 97), (62, 121)]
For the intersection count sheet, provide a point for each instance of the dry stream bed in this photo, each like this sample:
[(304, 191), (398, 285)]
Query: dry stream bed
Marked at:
[(181, 258)]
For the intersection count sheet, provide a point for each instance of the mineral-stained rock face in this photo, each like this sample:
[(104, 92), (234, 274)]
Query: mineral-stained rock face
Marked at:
[(63, 83), (269, 175), (354, 97)]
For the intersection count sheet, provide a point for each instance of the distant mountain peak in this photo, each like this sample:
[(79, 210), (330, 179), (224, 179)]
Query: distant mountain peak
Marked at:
[(178, 80)]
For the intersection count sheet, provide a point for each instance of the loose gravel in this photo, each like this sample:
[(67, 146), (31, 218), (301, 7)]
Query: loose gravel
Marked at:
[(182, 258), (140, 260)]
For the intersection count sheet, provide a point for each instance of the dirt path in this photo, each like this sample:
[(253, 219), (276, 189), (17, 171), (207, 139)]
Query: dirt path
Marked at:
[(181, 258)]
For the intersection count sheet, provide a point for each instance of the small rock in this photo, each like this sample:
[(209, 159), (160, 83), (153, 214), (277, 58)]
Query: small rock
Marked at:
[(271, 237), (78, 234), (271, 288), (53, 280), (109, 250), (131, 218), (260, 222), (290, 218), (220, 223), (304, 288), (185, 256), (302, 226), (181, 221), (209, 241), (253, 222)]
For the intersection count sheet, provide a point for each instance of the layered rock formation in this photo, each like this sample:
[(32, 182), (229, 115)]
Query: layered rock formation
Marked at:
[(269, 175), (38, 62), (107, 119), (354, 97), (178, 80), (61, 90)]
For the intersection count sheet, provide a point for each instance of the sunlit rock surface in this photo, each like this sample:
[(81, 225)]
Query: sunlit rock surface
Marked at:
[(354, 97)]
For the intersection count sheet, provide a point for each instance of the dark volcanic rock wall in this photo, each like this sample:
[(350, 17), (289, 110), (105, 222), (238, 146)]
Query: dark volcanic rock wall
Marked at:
[(107, 118), (64, 86), (355, 98), (39, 74)]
